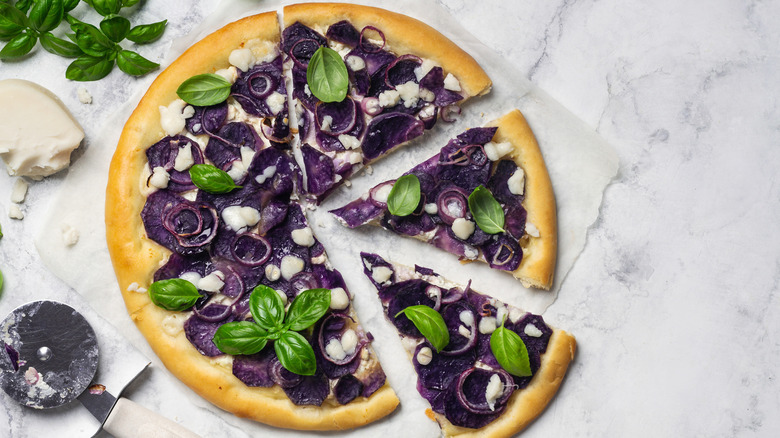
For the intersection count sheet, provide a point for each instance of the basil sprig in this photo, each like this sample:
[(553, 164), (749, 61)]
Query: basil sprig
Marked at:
[(174, 294), (487, 212), (430, 323), (327, 75), (510, 351), (404, 197), (270, 323), (204, 90), (212, 179)]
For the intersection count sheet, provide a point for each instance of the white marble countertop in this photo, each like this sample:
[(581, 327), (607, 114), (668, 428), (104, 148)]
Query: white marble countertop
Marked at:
[(674, 301)]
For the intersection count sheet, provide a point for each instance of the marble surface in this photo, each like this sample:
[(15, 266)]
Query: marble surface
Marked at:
[(674, 300)]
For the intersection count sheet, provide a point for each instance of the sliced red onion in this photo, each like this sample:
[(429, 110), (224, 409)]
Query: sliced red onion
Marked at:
[(451, 313), (454, 294), (205, 315), (504, 255), (435, 293), (370, 106), (281, 376), (303, 281), (268, 87), (292, 51), (396, 61), (336, 322), (173, 221), (267, 129), (466, 155), (368, 47), (347, 126), (478, 407), (448, 111), (378, 199), (204, 232), (250, 249), (234, 284), (452, 203)]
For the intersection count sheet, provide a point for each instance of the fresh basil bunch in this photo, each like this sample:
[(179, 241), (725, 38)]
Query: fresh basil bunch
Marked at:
[(487, 212), (96, 50), (272, 323), (404, 197), (430, 323), (212, 179), (327, 75)]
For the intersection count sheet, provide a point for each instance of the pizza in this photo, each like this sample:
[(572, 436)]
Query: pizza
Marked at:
[(470, 392), (192, 256), (502, 161)]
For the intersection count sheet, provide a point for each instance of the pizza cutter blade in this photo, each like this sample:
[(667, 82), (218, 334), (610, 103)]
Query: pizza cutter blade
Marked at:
[(49, 356)]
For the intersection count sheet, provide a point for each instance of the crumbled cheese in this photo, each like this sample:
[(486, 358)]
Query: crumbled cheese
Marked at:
[(432, 291), (132, 287), (515, 314), (239, 217), (372, 105), (451, 83), (306, 90), (173, 117), (409, 92), (70, 235), (381, 274), (431, 208), (501, 313), (184, 159), (356, 63), (272, 272), (335, 350), (291, 265), (389, 98), (276, 102), (494, 390), (487, 325), (230, 74), (516, 182), (242, 58), (282, 295), (424, 356), (463, 228), (338, 298), (421, 70), (495, 151), (192, 277), (349, 141), (464, 331), (159, 177), (173, 324), (428, 96), (212, 282), (19, 191), (84, 96), (239, 168), (467, 318), (532, 331), (470, 252), (353, 157), (382, 193), (327, 122), (531, 230), (349, 341), (268, 172), (303, 237), (369, 170)]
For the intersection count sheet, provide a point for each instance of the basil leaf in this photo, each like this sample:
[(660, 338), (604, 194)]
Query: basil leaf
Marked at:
[(430, 323), (134, 64), (173, 294), (69, 5), (91, 40), (327, 75), (45, 15), (107, 7), (307, 308), (404, 196), (59, 46), (242, 337), (204, 90), (1, 232), (12, 21), (115, 27), (128, 3), (267, 307), (487, 212), (2, 280), (19, 45), (89, 68), (146, 33), (211, 179), (24, 5), (295, 354), (510, 351)]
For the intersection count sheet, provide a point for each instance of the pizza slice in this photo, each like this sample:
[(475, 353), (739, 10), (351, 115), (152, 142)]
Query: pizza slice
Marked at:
[(485, 196), (402, 75), (499, 367)]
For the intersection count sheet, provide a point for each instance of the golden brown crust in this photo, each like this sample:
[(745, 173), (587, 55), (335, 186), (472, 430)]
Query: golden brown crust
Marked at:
[(404, 35), (539, 253), (136, 258), (526, 404)]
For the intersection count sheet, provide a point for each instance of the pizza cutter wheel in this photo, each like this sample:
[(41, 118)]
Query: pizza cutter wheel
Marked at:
[(49, 356)]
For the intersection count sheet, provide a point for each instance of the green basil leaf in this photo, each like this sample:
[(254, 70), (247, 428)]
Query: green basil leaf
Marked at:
[(89, 68), (107, 7), (510, 351), (242, 337), (204, 90), (2, 280), (91, 40), (19, 45), (327, 75), (211, 179), (173, 294), (430, 323), (404, 196), (12, 21), (72, 20), (69, 5), (115, 27), (134, 64), (146, 33), (59, 46), (24, 5), (487, 212), (267, 307), (307, 308), (1, 232), (295, 354), (128, 3), (45, 15)]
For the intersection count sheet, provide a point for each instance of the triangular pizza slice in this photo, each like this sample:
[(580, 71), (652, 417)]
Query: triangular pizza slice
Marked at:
[(500, 366), (485, 196)]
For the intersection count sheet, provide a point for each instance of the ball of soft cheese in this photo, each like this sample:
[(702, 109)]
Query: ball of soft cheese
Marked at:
[(37, 132)]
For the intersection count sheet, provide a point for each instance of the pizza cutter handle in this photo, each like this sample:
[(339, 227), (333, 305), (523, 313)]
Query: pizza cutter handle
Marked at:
[(130, 420)]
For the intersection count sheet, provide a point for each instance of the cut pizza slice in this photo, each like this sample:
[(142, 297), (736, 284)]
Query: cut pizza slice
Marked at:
[(402, 76), (499, 366), (485, 196)]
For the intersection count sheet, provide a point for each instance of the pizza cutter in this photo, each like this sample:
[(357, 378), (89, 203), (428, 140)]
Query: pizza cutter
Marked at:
[(49, 356)]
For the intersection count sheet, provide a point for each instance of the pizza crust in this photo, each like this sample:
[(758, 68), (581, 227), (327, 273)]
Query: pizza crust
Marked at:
[(403, 34), (136, 258), (539, 253)]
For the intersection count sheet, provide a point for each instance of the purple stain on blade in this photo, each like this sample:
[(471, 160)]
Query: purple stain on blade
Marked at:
[(13, 355), (96, 389)]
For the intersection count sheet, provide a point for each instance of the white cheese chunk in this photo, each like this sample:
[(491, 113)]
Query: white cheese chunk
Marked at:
[(389, 98), (160, 178), (467, 318), (291, 265), (501, 313), (495, 151), (424, 356), (463, 228), (356, 63), (239, 217), (381, 194), (84, 96), (431, 208), (212, 282), (349, 341), (515, 314), (173, 324), (327, 122), (381, 274), (192, 277), (282, 295), (464, 331), (307, 90), (516, 182), (428, 96), (451, 83), (338, 299), (349, 141), (335, 350), (276, 102), (409, 92), (173, 116), (268, 172), (19, 191), (184, 159), (494, 390), (272, 272), (230, 74), (424, 68), (242, 58), (487, 325), (531, 230), (532, 331), (303, 237), (70, 235)]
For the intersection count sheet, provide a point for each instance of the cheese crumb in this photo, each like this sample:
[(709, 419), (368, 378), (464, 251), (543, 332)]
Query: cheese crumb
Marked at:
[(383, 193), (409, 92), (389, 98), (424, 356), (431, 208), (212, 282), (230, 74), (338, 299), (451, 83), (239, 217), (291, 265), (184, 159), (14, 212), (303, 237), (70, 235), (192, 277), (276, 102), (494, 390), (349, 341), (327, 122), (84, 96), (349, 141), (516, 182), (268, 172), (19, 191), (173, 117), (282, 295), (159, 178), (272, 272), (381, 274), (242, 58), (487, 325), (422, 70), (335, 350), (532, 331), (531, 230), (356, 63), (495, 151), (463, 228)]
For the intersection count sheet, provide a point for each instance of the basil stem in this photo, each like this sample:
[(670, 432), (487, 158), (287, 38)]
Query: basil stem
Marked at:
[(327, 75), (487, 212), (307, 308), (204, 90), (242, 337), (430, 323), (267, 307), (174, 294), (510, 351), (295, 353), (404, 197), (211, 179)]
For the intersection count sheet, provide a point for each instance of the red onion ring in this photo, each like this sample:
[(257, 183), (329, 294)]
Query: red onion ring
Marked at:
[(368, 45), (303, 281), (281, 376), (214, 318), (269, 84), (510, 255), (332, 133), (437, 303), (471, 339), (485, 409), (254, 260), (449, 196), (347, 358), (395, 62), (170, 216), (370, 106), (373, 193), (448, 111), (294, 58), (267, 130), (454, 294)]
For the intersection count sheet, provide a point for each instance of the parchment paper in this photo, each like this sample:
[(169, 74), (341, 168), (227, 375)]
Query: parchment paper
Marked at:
[(580, 163)]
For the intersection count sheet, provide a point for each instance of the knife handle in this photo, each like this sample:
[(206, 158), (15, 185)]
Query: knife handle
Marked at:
[(129, 420)]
